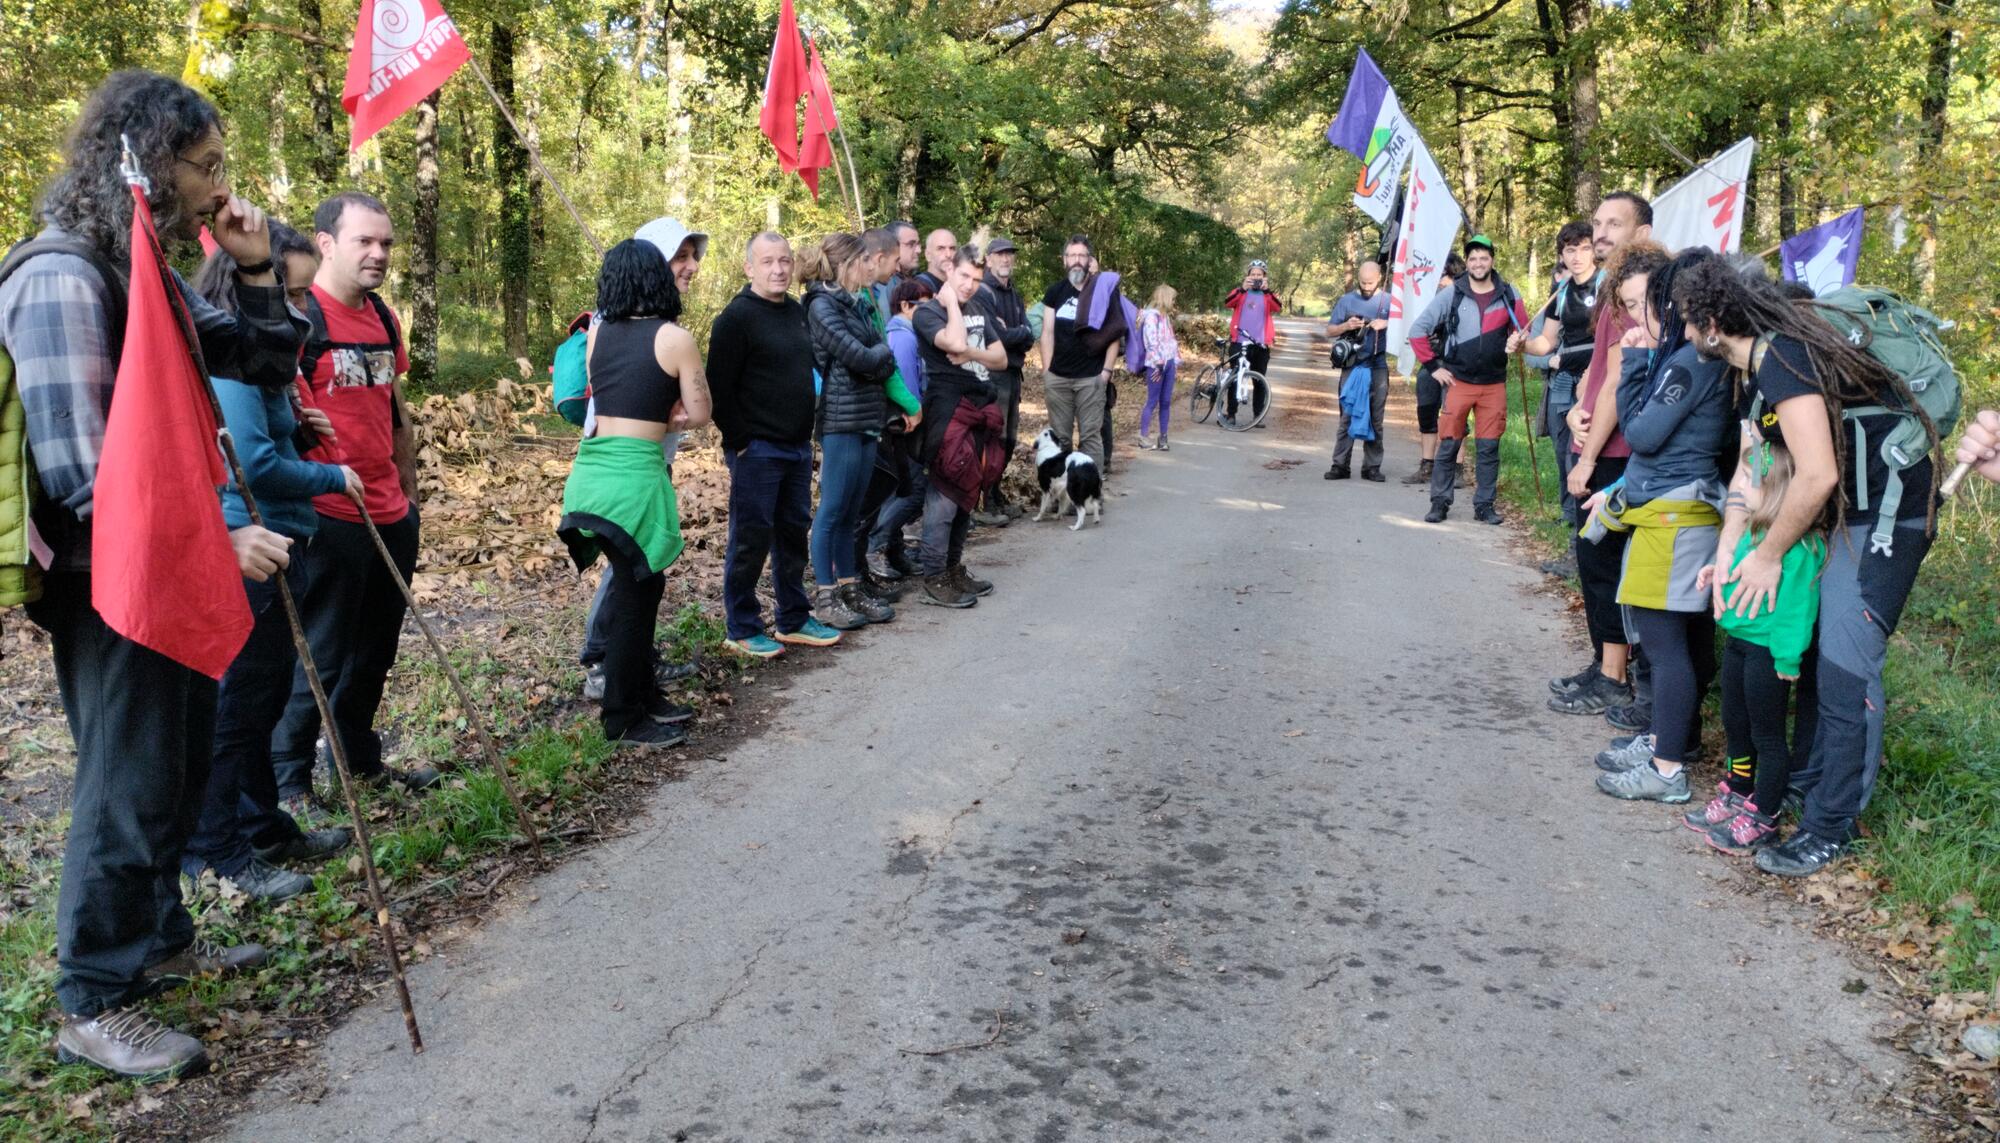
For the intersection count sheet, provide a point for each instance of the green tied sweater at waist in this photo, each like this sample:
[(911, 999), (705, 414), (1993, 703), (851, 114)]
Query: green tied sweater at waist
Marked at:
[(618, 496)]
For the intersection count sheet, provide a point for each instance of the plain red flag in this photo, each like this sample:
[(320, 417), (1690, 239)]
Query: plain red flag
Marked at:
[(403, 51), (816, 151), (783, 85), (163, 573)]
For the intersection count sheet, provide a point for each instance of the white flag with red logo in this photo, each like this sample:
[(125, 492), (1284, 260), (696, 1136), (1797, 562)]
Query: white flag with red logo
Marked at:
[(403, 51), (1706, 208), (1431, 219)]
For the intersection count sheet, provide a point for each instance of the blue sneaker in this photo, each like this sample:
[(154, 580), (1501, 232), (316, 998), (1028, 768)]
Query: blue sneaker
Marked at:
[(811, 633), (758, 646)]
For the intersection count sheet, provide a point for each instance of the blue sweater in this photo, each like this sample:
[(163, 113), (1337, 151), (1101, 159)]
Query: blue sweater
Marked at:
[(1680, 421), (903, 341), (262, 423)]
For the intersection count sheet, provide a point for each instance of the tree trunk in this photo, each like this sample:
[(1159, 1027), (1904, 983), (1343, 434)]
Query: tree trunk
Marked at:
[(424, 250), (1583, 109), (319, 92), (1468, 162), (517, 199), (906, 172), (1935, 110)]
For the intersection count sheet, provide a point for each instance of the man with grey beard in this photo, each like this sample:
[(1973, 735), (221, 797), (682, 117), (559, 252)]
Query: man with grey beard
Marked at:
[(1076, 361)]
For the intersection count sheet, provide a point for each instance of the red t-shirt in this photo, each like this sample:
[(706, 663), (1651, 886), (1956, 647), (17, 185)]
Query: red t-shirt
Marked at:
[(353, 382), (1612, 325)]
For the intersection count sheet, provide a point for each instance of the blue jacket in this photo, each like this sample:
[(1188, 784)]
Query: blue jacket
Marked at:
[(262, 424), (1357, 398), (1680, 420)]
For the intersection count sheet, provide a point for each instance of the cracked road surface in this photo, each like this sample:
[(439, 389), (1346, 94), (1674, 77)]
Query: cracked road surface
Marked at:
[(1237, 817)]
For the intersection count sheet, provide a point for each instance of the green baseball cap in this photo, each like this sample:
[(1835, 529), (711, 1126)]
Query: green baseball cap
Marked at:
[(1479, 241)]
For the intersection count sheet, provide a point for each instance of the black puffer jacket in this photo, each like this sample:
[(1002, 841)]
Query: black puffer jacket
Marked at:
[(853, 362)]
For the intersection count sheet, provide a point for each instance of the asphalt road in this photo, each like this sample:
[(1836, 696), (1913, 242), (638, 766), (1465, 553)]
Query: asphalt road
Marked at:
[(1238, 817)]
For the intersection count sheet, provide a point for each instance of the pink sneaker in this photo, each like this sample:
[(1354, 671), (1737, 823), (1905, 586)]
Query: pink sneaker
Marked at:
[(1726, 804), (1745, 833)]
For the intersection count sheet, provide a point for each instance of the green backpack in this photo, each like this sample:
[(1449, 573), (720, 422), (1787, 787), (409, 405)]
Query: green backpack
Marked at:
[(20, 573), (569, 372), (1904, 338)]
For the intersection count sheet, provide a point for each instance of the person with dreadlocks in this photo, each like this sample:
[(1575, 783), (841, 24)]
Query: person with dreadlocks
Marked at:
[(1799, 376), (1678, 415)]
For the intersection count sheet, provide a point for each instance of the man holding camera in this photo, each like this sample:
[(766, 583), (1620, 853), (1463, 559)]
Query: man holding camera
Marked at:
[(1253, 324), (1359, 329)]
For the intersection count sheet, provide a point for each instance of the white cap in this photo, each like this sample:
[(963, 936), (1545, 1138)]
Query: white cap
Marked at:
[(668, 234)]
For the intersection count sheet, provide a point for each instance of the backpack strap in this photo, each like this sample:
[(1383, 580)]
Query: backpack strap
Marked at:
[(114, 282), (316, 339)]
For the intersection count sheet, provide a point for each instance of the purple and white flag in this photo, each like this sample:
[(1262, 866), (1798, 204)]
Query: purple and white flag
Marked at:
[(1371, 126), (1826, 257)]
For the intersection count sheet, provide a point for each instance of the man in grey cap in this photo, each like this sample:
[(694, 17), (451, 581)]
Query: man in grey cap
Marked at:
[(1004, 302), (684, 249)]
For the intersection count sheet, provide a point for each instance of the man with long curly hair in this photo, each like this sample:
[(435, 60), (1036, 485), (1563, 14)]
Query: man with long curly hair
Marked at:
[(143, 724)]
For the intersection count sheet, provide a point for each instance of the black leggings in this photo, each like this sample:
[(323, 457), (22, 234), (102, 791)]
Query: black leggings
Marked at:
[(1680, 645), (1755, 706), (1599, 567), (1430, 398), (631, 612)]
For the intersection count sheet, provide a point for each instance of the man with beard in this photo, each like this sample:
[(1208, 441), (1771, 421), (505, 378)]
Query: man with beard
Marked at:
[(1362, 314), (1076, 360), (1474, 319), (1010, 314), (352, 605), (940, 251)]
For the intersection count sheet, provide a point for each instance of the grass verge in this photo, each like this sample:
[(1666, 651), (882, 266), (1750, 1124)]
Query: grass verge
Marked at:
[(440, 856)]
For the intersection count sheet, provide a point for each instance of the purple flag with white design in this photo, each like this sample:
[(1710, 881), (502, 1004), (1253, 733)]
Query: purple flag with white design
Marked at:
[(1826, 257), (1355, 125)]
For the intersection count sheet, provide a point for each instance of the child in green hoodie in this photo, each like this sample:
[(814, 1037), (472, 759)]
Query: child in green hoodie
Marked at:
[(1766, 655)]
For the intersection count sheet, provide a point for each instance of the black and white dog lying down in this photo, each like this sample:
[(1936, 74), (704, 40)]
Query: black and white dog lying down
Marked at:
[(1067, 476)]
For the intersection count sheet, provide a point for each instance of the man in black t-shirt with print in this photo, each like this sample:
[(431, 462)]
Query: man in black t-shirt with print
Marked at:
[(959, 342), (1076, 362), (1567, 338)]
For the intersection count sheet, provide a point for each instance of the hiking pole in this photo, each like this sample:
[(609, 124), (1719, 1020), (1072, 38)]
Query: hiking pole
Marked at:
[(338, 749), (472, 715), (1527, 422)]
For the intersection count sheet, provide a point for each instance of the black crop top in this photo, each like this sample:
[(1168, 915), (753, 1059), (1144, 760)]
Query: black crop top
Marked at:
[(625, 377)]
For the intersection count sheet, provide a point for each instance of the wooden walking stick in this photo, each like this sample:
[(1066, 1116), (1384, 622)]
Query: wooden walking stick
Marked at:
[(472, 715), (135, 175), (1527, 420)]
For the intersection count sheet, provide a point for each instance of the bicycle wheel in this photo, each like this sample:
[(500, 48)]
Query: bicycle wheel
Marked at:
[(1201, 397), (1250, 413)]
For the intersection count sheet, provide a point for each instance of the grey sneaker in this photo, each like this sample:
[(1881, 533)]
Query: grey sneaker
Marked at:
[(1568, 683), (1720, 810), (833, 611), (128, 1042), (593, 682), (311, 845), (1645, 784), (1625, 753), (861, 603), (266, 882)]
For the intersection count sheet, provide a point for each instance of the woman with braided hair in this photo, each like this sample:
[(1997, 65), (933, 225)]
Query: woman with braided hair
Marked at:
[(1799, 379)]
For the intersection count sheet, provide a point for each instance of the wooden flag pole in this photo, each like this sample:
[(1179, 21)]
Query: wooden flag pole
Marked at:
[(853, 199), (534, 153)]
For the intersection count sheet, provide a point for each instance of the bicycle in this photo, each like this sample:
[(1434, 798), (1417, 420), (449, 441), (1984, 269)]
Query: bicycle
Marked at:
[(1251, 390)]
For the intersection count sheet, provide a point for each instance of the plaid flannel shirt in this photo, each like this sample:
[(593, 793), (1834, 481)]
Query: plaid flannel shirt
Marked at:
[(54, 325)]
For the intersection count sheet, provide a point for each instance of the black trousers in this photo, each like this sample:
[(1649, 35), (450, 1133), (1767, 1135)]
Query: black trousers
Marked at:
[(631, 612), (353, 613), (883, 485), (1756, 706), (143, 726), (1599, 566), (240, 810)]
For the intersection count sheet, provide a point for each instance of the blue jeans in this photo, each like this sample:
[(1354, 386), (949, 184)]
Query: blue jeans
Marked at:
[(770, 510), (899, 512), (846, 464), (240, 811)]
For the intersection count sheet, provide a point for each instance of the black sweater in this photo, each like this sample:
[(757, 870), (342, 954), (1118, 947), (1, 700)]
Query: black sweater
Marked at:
[(760, 372)]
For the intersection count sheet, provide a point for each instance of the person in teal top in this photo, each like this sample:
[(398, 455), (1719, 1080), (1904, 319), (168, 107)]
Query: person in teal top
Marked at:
[(1768, 653)]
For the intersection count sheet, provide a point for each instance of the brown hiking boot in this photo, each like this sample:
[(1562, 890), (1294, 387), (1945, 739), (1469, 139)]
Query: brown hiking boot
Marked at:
[(967, 582), (128, 1042), (1422, 475), (940, 591), (206, 958)]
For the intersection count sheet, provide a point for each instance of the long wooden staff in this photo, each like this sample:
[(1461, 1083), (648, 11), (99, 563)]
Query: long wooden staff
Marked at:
[(1528, 421)]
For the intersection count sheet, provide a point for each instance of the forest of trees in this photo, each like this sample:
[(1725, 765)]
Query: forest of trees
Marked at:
[(1184, 135)]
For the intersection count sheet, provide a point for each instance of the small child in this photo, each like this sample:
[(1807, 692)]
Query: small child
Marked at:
[(1163, 359), (1764, 658)]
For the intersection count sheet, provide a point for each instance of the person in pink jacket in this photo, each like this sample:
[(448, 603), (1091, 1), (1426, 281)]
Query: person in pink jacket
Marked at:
[(1162, 359)]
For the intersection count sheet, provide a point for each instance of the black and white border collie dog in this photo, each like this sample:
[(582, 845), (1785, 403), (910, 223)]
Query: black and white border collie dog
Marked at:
[(1067, 475)]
